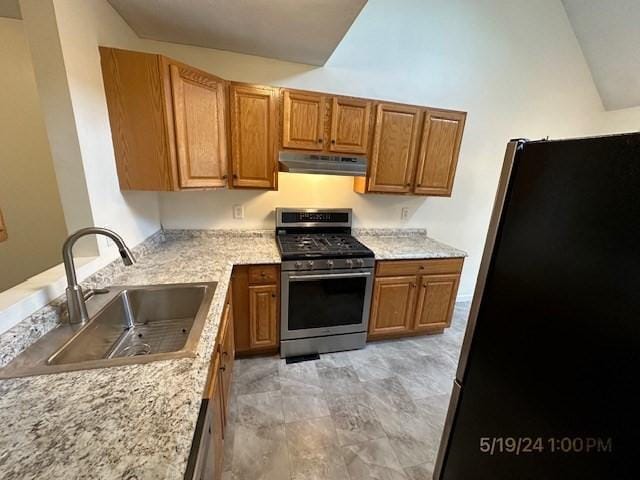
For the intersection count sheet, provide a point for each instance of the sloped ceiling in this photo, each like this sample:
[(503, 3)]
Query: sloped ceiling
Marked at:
[(305, 31), (609, 33)]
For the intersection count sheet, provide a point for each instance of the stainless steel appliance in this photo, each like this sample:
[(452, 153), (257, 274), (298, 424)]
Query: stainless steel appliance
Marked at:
[(327, 279), (545, 386), (301, 162)]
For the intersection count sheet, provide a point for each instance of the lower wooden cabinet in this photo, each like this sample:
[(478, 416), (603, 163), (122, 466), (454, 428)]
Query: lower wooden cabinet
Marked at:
[(392, 308), (411, 297), (256, 301), (217, 392)]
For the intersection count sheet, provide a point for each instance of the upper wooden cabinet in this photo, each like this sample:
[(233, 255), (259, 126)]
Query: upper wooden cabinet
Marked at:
[(395, 141), (303, 120), (325, 123), (441, 137), (167, 122), (254, 136), (350, 119), (199, 109)]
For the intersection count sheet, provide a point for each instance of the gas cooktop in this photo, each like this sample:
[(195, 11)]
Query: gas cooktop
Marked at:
[(317, 233), (320, 245)]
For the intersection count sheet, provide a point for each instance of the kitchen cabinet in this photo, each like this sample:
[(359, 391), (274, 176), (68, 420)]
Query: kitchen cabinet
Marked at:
[(394, 150), (413, 297), (168, 122), (303, 120), (253, 112), (210, 462), (227, 354), (325, 123), (350, 119), (440, 146), (415, 151), (256, 304), (393, 304)]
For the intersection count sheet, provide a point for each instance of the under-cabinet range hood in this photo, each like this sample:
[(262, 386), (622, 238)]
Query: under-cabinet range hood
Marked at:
[(299, 162)]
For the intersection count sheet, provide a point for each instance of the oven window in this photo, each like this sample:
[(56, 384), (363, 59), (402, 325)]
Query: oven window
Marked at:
[(326, 303)]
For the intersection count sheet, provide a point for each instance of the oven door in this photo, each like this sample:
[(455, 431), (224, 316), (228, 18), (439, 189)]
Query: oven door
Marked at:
[(325, 302)]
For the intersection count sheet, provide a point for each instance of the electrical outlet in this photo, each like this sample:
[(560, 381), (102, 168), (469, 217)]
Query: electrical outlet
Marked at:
[(404, 214), (238, 212)]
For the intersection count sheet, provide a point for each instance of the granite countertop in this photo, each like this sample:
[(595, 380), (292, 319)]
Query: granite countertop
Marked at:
[(137, 421)]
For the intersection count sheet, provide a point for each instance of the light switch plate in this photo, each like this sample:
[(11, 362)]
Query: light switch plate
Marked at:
[(404, 214), (238, 212)]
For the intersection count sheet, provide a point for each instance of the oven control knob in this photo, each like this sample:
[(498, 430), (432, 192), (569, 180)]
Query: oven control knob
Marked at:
[(298, 264), (310, 263), (349, 263), (360, 262), (330, 263)]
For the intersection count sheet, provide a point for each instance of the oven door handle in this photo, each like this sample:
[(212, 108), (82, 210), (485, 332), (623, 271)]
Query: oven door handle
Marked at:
[(329, 275)]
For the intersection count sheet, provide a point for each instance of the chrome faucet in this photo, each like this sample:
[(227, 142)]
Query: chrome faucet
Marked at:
[(76, 305)]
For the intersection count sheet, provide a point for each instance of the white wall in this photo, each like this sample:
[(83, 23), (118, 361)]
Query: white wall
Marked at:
[(81, 26), (514, 66), (29, 195), (619, 121)]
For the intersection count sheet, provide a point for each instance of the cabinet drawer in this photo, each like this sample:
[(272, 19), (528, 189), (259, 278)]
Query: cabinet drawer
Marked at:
[(263, 274), (417, 267)]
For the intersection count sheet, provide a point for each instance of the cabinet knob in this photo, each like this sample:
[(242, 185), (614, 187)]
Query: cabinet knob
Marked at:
[(223, 368), (418, 184), (273, 295), (235, 176), (262, 274), (408, 184), (413, 285), (319, 140), (333, 141), (424, 286), (224, 177)]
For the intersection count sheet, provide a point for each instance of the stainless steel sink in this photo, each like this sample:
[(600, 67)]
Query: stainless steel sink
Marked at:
[(130, 325)]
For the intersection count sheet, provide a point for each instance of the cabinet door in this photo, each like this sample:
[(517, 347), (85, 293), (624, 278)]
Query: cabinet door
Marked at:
[(350, 119), (436, 300), (263, 304), (393, 156), (216, 452), (227, 354), (441, 137), (393, 305), (254, 136), (198, 107), (303, 120)]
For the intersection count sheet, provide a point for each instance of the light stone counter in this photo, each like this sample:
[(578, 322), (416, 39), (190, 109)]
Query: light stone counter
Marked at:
[(137, 421)]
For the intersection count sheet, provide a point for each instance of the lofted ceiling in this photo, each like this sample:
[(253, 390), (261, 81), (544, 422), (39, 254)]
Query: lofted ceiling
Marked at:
[(609, 34), (305, 31)]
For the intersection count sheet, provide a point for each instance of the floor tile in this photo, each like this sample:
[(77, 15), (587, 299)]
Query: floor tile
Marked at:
[(259, 409), (314, 452), (354, 418), (300, 378), (339, 380), (388, 393), (372, 460), (304, 406), (260, 454), (420, 472), (256, 375), (333, 360)]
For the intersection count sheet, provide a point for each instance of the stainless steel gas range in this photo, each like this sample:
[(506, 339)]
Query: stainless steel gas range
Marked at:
[(327, 279)]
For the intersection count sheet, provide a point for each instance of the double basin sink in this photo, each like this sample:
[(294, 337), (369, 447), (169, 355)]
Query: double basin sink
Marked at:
[(127, 325)]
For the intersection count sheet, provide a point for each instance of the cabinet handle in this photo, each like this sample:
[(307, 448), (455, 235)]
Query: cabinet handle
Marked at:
[(225, 353), (273, 295), (408, 184), (223, 368), (421, 267), (418, 184), (235, 176), (424, 286), (413, 285), (319, 140), (333, 141), (224, 177)]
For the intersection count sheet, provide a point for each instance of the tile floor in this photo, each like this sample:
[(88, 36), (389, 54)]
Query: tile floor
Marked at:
[(375, 413)]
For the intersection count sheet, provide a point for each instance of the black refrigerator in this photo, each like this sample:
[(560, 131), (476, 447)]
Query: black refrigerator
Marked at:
[(548, 380)]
